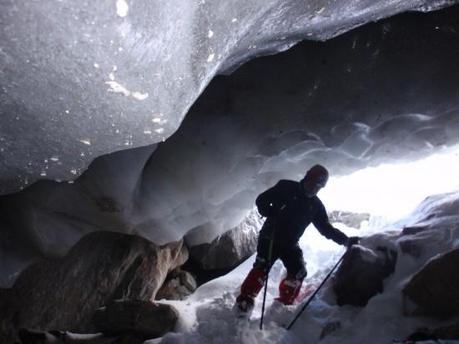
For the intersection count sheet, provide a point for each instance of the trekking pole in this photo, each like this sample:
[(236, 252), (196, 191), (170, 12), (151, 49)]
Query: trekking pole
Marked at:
[(314, 294), (270, 253), (266, 281)]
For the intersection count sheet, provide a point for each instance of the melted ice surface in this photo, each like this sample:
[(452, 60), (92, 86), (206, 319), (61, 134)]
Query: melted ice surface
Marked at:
[(99, 69)]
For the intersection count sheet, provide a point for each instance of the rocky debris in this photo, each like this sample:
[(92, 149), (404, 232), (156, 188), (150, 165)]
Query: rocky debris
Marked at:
[(409, 230), (427, 240), (7, 330), (329, 328), (449, 332), (4, 297), (361, 274), (141, 318), (8, 333), (178, 285), (59, 337), (231, 248), (435, 288), (410, 247), (353, 220), (63, 294)]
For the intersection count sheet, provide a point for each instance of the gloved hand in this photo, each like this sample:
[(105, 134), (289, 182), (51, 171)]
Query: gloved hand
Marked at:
[(354, 240)]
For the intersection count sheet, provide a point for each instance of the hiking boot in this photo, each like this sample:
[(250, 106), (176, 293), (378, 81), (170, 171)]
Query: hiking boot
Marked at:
[(289, 289), (244, 305)]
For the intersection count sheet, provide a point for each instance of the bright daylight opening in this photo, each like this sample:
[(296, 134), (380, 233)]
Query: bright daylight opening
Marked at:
[(391, 192), (388, 193)]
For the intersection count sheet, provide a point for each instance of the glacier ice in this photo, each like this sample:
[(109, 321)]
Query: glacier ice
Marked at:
[(83, 79)]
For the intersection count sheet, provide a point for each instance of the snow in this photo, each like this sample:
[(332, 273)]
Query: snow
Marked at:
[(207, 315), (122, 8)]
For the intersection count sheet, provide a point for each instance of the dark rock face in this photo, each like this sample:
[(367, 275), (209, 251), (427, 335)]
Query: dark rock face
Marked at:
[(60, 337), (178, 285), (7, 330), (63, 294), (329, 328), (142, 318), (229, 249), (353, 220), (408, 230), (361, 274), (410, 247), (449, 332), (4, 296), (435, 288)]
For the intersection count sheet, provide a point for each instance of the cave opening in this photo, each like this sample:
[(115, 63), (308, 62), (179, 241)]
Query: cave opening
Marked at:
[(384, 93), (377, 105)]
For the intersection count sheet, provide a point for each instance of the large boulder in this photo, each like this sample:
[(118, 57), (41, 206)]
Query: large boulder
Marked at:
[(231, 248), (449, 332), (27, 336), (142, 318), (178, 285), (434, 290), (7, 330), (63, 294), (8, 333), (361, 274)]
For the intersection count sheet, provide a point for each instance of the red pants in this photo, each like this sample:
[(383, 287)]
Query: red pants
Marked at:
[(289, 287)]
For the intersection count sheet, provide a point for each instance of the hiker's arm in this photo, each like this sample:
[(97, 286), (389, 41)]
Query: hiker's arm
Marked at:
[(323, 225)]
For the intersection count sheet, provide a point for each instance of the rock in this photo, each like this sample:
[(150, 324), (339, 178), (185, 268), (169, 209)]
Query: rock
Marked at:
[(4, 297), (449, 332), (409, 230), (353, 220), (8, 333), (142, 318), (361, 274), (435, 288), (57, 337), (60, 337), (63, 294), (231, 248), (179, 284), (7, 330), (411, 247), (188, 280), (329, 328)]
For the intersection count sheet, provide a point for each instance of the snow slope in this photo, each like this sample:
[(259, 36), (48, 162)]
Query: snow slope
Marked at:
[(206, 317)]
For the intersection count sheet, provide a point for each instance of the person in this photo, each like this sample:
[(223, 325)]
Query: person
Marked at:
[(289, 207)]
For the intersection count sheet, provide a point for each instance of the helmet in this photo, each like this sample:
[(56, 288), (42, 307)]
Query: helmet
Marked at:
[(317, 175)]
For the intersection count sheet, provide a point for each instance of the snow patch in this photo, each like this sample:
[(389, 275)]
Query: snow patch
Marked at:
[(122, 8), (207, 315), (118, 88)]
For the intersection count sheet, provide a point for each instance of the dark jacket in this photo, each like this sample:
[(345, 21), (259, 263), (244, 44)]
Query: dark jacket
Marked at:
[(289, 212)]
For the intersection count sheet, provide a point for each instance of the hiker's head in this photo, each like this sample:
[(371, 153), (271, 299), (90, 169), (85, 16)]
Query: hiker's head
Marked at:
[(315, 179)]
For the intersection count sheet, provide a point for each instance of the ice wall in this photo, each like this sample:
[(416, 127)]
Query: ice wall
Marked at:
[(384, 92), (79, 79)]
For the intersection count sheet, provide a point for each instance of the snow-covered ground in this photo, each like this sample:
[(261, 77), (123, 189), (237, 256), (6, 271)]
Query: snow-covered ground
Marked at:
[(207, 317)]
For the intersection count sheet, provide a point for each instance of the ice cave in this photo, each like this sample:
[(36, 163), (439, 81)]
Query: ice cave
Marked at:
[(135, 137)]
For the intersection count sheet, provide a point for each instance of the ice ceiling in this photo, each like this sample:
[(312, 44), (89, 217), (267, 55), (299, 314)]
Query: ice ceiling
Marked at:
[(83, 79)]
